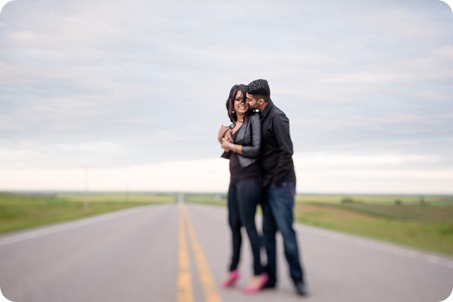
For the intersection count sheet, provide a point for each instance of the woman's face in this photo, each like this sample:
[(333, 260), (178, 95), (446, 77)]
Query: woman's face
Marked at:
[(240, 107)]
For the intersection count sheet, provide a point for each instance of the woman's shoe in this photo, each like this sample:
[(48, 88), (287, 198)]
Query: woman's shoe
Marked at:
[(233, 276), (253, 289)]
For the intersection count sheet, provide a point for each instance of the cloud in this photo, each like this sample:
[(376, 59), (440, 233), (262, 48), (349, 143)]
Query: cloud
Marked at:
[(137, 83), (358, 173), (327, 172)]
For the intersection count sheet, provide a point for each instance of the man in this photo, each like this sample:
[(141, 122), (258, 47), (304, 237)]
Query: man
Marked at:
[(279, 181)]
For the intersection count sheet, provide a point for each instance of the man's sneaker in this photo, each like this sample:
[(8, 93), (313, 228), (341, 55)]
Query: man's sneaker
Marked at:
[(301, 289)]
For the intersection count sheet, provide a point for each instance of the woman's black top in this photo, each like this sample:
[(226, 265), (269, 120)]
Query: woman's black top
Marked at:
[(237, 172)]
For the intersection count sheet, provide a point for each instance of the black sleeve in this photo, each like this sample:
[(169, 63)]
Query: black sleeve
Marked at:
[(285, 145)]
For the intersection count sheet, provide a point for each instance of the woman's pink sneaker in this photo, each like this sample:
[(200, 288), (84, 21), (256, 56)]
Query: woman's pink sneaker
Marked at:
[(231, 280), (251, 290)]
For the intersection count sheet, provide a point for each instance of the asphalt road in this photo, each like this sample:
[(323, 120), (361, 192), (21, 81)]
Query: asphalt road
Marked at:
[(179, 253)]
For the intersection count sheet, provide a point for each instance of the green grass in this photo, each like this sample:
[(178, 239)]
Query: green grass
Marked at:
[(381, 199), (424, 222), (426, 225), (144, 198), (207, 199), (19, 211)]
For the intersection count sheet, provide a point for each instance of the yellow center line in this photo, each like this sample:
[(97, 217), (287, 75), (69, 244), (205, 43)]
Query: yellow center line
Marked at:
[(185, 293), (211, 293)]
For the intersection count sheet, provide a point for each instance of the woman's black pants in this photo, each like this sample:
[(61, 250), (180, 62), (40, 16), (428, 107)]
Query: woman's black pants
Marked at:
[(243, 198)]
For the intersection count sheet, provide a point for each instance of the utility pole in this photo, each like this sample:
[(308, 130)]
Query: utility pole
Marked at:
[(86, 201)]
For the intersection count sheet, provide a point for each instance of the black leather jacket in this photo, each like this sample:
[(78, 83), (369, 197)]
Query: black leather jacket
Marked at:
[(249, 136)]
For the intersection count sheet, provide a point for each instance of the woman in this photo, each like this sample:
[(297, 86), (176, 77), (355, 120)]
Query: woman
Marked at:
[(244, 191)]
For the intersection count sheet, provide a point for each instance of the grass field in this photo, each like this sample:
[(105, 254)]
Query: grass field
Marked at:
[(211, 199), (424, 222), (378, 199), (21, 211)]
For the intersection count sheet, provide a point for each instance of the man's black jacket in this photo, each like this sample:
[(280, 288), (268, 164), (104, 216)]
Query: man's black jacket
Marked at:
[(276, 147)]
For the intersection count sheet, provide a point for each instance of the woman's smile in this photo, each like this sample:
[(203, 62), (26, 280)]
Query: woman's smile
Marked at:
[(242, 107)]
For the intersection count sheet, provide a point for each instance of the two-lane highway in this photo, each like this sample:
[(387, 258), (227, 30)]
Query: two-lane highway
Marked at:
[(180, 252)]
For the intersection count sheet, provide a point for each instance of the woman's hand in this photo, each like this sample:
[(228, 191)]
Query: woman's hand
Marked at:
[(224, 132), (226, 145), (228, 136)]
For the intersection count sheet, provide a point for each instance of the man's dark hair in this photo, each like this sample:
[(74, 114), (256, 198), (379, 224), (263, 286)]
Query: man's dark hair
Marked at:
[(259, 89)]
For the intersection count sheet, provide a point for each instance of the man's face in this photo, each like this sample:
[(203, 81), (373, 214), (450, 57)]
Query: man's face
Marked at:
[(253, 103)]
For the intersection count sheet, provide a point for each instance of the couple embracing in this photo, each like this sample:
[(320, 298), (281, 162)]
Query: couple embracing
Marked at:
[(260, 150)]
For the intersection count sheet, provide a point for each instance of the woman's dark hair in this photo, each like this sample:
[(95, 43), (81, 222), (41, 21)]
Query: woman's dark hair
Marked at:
[(230, 101)]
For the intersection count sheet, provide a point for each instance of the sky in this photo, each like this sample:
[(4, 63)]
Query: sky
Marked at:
[(129, 95)]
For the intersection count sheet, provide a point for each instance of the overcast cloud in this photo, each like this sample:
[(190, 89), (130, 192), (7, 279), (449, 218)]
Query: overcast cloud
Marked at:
[(120, 84)]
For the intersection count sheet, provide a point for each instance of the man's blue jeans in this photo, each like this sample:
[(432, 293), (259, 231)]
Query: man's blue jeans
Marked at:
[(278, 215)]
